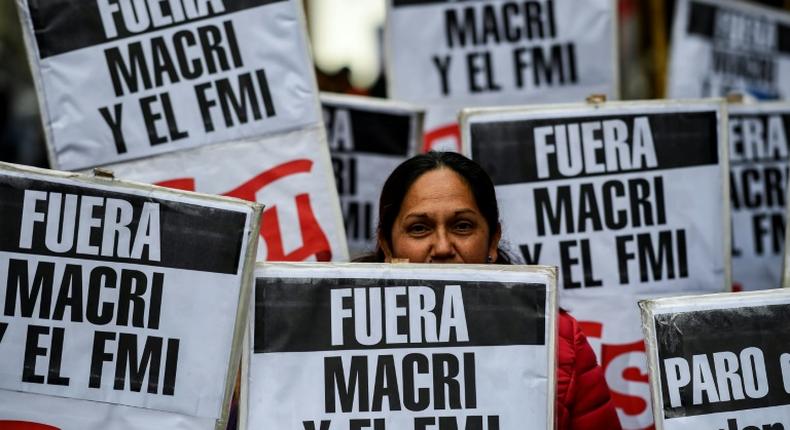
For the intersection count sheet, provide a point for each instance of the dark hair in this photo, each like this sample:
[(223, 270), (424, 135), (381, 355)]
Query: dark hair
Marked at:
[(402, 178)]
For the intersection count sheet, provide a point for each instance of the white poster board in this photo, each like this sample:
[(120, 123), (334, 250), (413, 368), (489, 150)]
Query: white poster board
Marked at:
[(448, 55), (725, 46), (402, 346), (289, 173), (119, 80), (122, 294), (623, 197), (368, 138), (628, 199), (759, 149), (720, 361)]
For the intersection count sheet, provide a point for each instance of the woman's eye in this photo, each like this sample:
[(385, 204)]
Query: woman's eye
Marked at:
[(464, 226), (417, 229)]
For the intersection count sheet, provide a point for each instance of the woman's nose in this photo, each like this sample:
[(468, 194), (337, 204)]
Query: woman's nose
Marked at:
[(442, 247)]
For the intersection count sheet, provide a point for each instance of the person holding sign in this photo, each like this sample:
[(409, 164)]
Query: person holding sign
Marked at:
[(441, 207)]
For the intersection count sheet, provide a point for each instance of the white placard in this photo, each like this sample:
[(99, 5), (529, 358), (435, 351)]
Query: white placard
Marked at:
[(470, 346), (120, 293), (627, 197), (448, 55), (119, 80), (758, 137), (289, 173), (368, 138), (720, 361), (725, 46), (606, 193)]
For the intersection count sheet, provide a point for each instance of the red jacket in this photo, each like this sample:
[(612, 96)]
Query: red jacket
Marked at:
[(583, 399)]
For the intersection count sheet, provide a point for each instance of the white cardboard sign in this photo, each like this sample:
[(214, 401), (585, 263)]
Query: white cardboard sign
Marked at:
[(402, 347), (448, 55), (289, 173), (623, 197), (122, 294), (720, 361), (119, 80), (759, 148), (368, 138), (606, 193), (725, 46)]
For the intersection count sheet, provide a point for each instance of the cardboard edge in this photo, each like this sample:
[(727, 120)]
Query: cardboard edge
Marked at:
[(242, 315), (466, 132), (616, 90), (583, 107), (387, 49), (761, 107), (32, 53), (675, 34), (646, 308), (417, 140), (786, 259), (553, 330), (724, 155), (264, 267), (375, 104), (246, 353), (304, 35)]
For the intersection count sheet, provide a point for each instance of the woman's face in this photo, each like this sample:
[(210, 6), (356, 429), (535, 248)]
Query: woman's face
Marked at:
[(439, 222)]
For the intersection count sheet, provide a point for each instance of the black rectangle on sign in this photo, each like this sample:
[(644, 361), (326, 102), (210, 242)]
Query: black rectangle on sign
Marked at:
[(702, 23), (507, 149), (192, 237), (783, 33), (702, 19), (294, 315), (758, 137), (707, 332), (62, 26), (370, 132)]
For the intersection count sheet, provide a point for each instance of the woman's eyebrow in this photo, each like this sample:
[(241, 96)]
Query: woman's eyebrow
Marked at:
[(417, 215), (425, 214), (465, 210)]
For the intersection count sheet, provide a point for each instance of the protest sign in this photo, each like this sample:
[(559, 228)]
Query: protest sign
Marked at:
[(725, 46), (125, 79), (289, 173), (404, 346), (758, 137), (98, 283), (368, 138), (720, 361), (628, 199), (447, 55), (623, 197)]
